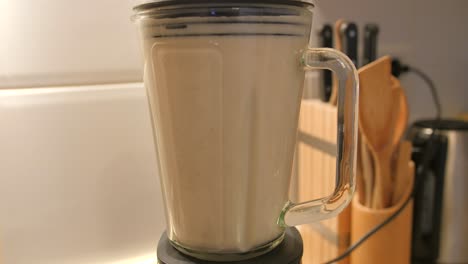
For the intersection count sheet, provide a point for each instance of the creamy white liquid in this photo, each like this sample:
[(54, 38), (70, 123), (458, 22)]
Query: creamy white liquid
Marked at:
[(225, 111)]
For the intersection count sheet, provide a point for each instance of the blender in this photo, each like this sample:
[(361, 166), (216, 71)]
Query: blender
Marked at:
[(224, 81)]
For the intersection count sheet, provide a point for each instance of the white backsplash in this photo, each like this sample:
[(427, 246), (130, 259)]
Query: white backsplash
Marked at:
[(425, 34)]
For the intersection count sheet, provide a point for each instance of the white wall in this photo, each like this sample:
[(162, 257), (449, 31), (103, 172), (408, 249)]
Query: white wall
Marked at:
[(62, 42), (427, 34)]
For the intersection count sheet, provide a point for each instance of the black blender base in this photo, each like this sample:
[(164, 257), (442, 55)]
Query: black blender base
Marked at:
[(288, 252)]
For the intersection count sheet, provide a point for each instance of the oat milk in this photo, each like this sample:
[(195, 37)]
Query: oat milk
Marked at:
[(225, 104)]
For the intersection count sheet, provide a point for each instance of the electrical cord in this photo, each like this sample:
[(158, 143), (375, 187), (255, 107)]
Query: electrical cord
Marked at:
[(399, 68), (431, 147), (374, 230), (432, 88)]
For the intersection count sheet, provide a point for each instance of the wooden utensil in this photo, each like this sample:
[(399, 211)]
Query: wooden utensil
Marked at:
[(402, 118), (401, 177), (361, 186), (377, 117), (338, 46), (370, 54), (368, 171)]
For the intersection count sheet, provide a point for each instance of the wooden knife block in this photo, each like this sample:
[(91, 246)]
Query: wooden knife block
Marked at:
[(315, 171)]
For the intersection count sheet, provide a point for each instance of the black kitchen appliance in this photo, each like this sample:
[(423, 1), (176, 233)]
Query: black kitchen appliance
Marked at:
[(440, 221)]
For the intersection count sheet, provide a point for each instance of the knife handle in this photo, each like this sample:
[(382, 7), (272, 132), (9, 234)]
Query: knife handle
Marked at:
[(326, 37), (349, 36), (371, 32)]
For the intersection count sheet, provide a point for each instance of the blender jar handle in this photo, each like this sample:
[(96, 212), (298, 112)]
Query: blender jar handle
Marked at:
[(348, 90)]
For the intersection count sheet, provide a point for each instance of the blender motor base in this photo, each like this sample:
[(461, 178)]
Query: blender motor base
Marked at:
[(288, 252)]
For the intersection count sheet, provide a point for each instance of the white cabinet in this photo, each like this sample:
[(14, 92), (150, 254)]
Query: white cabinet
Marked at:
[(78, 176)]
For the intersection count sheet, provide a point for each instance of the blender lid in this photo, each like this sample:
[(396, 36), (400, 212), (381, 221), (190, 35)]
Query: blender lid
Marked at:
[(141, 5)]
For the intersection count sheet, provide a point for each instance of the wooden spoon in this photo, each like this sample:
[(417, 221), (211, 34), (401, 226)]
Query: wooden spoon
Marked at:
[(360, 183), (401, 177), (367, 171), (402, 119), (377, 118)]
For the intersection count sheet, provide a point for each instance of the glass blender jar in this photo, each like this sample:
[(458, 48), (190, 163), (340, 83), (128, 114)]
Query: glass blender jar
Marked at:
[(224, 81)]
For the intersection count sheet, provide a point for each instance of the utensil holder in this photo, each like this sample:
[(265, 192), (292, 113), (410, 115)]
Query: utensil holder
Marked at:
[(391, 244)]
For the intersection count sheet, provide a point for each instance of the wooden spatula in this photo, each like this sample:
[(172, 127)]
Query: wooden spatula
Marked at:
[(377, 117), (401, 179)]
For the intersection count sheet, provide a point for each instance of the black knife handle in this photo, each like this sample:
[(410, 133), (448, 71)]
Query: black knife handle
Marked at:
[(371, 32), (326, 36), (349, 35)]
